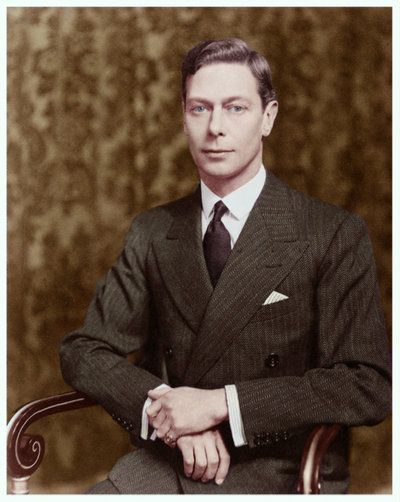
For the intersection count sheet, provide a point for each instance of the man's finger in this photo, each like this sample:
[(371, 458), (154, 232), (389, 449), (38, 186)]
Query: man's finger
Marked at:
[(188, 457), (159, 419), (164, 428), (212, 458), (200, 460), (154, 409), (224, 461), (157, 393)]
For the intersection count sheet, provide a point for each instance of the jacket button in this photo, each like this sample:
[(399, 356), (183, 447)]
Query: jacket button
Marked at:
[(168, 351), (257, 442), (257, 439), (272, 360)]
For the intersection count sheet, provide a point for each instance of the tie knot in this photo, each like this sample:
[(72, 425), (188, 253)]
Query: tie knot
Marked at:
[(219, 210)]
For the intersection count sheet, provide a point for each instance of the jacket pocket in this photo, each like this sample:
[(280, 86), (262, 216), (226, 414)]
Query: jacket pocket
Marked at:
[(277, 309)]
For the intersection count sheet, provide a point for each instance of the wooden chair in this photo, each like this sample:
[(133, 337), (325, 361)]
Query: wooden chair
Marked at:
[(25, 452)]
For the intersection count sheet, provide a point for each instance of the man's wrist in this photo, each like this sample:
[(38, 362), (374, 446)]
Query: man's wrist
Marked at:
[(220, 406)]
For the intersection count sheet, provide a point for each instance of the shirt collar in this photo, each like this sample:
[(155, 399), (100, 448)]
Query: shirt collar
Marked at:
[(239, 202)]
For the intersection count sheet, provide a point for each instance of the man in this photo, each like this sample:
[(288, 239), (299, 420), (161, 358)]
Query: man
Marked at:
[(255, 307)]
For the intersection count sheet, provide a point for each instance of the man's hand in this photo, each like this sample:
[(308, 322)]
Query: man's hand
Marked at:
[(186, 410), (205, 456)]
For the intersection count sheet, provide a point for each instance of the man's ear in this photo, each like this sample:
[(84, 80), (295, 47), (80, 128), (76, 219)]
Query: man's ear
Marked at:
[(269, 115), (183, 117)]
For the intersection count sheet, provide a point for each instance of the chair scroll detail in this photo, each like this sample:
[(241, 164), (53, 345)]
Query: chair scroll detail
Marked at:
[(24, 451), (315, 448)]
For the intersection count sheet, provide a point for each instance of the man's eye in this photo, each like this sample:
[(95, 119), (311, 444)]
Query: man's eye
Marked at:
[(199, 109), (236, 108)]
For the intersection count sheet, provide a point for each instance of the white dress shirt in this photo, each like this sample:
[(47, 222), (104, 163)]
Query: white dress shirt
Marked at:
[(239, 204)]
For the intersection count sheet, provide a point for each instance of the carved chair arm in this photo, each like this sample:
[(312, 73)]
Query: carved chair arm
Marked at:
[(314, 450), (25, 452)]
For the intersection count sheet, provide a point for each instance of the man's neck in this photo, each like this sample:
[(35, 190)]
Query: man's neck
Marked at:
[(225, 186)]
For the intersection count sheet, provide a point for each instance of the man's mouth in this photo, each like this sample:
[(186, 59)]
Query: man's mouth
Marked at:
[(215, 151)]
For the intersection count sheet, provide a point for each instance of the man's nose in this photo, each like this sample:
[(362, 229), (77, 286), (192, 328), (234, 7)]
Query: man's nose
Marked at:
[(216, 126)]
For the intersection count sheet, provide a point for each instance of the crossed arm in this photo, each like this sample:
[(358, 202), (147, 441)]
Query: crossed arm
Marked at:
[(353, 366), (189, 419)]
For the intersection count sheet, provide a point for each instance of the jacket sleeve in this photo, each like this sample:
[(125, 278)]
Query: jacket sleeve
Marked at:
[(93, 358), (349, 383)]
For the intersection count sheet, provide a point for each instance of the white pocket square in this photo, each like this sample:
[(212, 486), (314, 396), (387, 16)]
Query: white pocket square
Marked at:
[(274, 297)]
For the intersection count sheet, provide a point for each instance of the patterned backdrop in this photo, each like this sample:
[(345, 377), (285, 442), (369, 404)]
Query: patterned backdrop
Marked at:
[(95, 136)]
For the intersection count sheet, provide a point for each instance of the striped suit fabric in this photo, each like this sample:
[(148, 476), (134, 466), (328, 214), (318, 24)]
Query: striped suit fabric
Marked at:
[(318, 356)]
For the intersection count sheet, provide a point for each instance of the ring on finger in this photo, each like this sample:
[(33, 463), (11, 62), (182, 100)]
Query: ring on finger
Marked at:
[(169, 439)]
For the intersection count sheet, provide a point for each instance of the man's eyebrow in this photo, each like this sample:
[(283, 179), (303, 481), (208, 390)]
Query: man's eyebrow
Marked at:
[(224, 101), (235, 98), (199, 100)]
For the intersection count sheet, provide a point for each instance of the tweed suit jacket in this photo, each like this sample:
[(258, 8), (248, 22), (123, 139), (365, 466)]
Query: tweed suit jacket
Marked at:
[(319, 356)]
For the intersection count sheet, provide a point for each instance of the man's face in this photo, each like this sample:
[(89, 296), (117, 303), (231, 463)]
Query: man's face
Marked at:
[(225, 122)]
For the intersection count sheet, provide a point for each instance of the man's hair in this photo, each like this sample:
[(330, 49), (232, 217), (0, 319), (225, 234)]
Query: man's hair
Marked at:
[(229, 50)]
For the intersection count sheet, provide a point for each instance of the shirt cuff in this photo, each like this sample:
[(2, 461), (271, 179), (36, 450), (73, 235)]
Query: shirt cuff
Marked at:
[(144, 431), (235, 417)]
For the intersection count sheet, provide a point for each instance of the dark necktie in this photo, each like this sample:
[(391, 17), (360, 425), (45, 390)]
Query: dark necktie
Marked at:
[(216, 243)]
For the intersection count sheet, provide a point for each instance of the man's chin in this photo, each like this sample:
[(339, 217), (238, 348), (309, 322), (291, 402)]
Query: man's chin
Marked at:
[(220, 172)]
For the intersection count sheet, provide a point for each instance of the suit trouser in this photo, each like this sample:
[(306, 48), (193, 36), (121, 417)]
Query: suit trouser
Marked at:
[(143, 471), (160, 471), (104, 487)]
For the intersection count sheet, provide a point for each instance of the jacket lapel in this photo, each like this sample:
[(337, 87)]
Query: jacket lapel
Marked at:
[(267, 249), (181, 261)]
